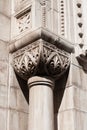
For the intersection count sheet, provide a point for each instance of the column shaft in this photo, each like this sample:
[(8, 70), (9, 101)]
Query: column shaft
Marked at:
[(41, 112)]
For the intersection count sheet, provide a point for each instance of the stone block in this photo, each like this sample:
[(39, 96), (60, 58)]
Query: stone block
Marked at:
[(4, 27), (3, 51), (79, 77), (17, 100), (3, 119), (5, 7), (80, 99), (80, 120), (64, 99), (18, 120), (66, 120), (13, 98), (3, 73), (3, 96)]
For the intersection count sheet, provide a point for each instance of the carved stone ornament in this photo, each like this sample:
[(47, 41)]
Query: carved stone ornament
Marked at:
[(24, 20), (40, 58)]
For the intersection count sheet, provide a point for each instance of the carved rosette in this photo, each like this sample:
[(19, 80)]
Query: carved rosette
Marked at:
[(40, 58)]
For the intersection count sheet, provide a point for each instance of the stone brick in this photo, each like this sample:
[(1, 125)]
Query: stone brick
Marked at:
[(5, 7), (3, 73), (3, 119), (80, 99), (18, 120), (80, 120), (3, 51), (17, 100), (4, 27), (66, 120), (3, 96)]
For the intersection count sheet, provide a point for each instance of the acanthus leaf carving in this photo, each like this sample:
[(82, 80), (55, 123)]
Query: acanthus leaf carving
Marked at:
[(40, 57)]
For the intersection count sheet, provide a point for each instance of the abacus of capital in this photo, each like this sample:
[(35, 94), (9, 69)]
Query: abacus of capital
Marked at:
[(41, 58)]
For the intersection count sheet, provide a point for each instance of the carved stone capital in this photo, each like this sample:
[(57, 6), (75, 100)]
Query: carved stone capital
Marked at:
[(40, 58)]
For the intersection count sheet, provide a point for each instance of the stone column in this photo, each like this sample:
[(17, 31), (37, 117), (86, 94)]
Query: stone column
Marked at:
[(31, 63), (41, 112)]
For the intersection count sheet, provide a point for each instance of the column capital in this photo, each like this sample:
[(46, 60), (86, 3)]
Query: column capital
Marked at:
[(40, 58)]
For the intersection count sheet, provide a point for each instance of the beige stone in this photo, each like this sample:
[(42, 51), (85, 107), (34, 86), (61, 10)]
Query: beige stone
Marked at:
[(17, 100), (66, 102), (3, 119), (5, 27), (3, 96), (65, 120), (5, 6), (41, 114), (3, 51), (80, 120), (78, 77), (80, 98), (18, 120), (3, 73)]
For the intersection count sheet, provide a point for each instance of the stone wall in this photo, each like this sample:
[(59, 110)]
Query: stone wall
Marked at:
[(13, 106)]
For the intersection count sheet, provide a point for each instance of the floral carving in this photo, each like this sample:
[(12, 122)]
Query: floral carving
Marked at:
[(26, 61), (24, 21), (40, 58)]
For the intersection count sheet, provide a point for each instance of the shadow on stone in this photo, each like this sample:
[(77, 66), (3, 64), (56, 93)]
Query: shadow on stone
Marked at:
[(24, 87), (82, 60), (60, 85)]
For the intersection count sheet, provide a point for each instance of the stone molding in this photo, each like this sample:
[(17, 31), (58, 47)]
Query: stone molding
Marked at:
[(40, 58), (43, 81), (41, 33)]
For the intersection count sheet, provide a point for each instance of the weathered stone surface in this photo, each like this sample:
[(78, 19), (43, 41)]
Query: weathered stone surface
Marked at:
[(3, 119), (5, 27), (80, 98), (17, 100), (5, 7), (65, 99), (66, 120), (3, 96), (41, 110), (3, 51), (18, 120), (80, 119), (3, 73), (13, 78), (79, 77)]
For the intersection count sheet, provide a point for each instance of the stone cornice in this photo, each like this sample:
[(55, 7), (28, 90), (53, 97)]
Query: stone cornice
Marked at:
[(44, 34)]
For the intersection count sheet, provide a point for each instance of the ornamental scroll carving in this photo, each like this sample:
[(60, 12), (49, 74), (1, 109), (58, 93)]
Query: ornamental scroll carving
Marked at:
[(40, 58)]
